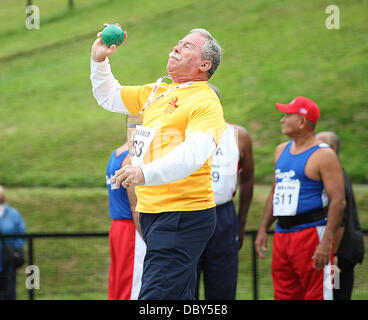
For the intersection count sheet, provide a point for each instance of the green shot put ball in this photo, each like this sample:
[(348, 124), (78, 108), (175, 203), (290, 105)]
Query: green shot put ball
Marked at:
[(113, 34)]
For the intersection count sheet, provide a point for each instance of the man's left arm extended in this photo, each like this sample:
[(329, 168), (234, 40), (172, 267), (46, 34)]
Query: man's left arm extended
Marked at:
[(333, 181)]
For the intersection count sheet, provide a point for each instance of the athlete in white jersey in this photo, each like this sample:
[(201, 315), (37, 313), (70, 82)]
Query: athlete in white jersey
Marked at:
[(225, 166), (232, 165)]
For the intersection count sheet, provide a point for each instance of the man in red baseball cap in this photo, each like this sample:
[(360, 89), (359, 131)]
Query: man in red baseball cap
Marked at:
[(304, 106), (307, 200)]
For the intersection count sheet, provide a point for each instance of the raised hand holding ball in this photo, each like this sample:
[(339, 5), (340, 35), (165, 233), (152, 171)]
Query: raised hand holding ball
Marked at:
[(100, 49), (113, 34)]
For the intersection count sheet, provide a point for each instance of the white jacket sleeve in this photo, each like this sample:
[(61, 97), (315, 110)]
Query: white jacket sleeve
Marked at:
[(181, 162), (106, 89)]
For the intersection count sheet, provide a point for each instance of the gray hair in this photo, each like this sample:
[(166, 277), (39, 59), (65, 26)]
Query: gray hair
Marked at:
[(333, 139), (211, 50)]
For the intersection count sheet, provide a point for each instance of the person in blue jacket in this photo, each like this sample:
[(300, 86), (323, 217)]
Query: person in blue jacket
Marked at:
[(11, 222)]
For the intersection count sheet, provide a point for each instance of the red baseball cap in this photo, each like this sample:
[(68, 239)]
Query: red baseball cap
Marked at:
[(304, 106)]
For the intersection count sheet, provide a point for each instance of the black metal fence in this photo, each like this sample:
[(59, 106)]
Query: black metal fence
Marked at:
[(75, 266), (71, 266)]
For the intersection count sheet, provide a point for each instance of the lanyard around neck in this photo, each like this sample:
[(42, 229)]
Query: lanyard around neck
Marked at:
[(155, 88)]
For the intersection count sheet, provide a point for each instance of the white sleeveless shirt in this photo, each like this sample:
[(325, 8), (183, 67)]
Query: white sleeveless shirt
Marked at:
[(225, 166)]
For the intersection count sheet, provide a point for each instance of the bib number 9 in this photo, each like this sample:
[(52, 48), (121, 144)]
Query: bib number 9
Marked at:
[(215, 176)]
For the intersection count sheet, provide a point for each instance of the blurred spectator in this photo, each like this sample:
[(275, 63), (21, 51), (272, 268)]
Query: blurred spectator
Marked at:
[(11, 249), (349, 239)]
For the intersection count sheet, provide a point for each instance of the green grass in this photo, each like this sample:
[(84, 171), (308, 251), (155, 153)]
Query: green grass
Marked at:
[(54, 134)]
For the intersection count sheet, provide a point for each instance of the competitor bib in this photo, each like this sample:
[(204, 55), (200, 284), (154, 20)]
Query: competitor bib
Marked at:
[(142, 140), (285, 198)]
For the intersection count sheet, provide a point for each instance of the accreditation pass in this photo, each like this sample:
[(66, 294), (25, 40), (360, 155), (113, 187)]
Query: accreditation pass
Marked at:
[(285, 198), (142, 140)]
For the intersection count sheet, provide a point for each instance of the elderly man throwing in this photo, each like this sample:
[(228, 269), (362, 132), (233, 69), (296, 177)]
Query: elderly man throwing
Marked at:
[(171, 162)]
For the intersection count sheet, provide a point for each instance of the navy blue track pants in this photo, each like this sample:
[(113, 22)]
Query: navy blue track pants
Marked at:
[(219, 261), (175, 241)]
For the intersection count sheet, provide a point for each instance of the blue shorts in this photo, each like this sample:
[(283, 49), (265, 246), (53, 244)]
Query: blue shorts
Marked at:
[(175, 241)]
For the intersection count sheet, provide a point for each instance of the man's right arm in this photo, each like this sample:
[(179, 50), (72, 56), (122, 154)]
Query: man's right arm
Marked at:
[(260, 243), (268, 218), (106, 89)]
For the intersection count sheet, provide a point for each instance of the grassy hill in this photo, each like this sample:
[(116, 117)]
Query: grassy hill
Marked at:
[(54, 134)]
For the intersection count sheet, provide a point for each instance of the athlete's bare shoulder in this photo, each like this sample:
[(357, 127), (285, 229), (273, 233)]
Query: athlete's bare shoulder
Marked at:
[(241, 130), (323, 159), (279, 149), (324, 154), (244, 138)]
